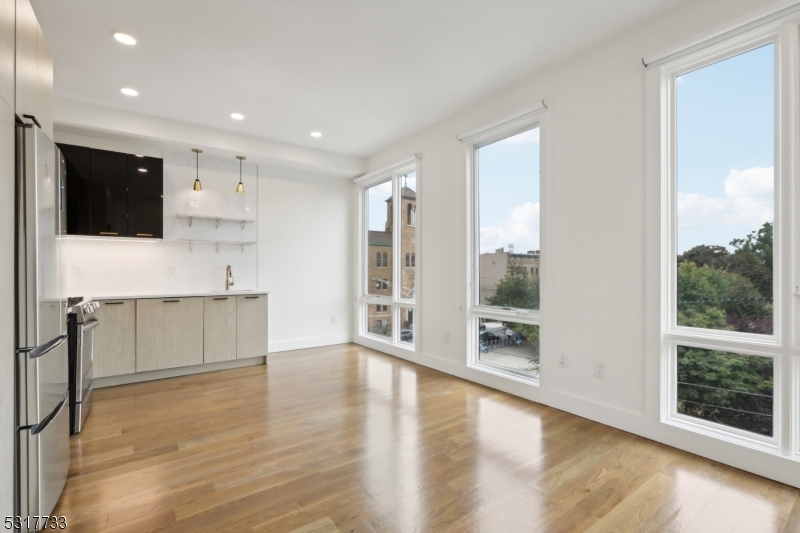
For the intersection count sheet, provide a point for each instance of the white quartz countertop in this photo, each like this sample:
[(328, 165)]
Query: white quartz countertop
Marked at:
[(179, 295)]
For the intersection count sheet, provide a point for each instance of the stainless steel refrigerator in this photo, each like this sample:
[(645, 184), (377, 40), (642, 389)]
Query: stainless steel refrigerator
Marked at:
[(42, 408)]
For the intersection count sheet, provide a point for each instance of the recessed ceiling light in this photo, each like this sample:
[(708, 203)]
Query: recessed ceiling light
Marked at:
[(142, 170), (124, 38), (129, 92), (237, 116), (316, 134)]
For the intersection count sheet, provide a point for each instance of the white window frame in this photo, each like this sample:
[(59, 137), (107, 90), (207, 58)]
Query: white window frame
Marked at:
[(783, 344), (537, 117), (395, 301)]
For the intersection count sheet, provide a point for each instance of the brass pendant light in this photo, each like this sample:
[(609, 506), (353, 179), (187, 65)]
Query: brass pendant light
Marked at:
[(197, 186), (240, 187)]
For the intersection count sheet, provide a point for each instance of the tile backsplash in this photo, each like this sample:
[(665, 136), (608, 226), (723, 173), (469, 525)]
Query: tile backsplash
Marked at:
[(95, 266)]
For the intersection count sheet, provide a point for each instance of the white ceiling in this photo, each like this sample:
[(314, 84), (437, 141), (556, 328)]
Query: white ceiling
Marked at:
[(366, 73)]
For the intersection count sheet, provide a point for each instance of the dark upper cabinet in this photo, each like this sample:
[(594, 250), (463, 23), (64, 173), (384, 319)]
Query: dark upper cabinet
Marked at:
[(113, 194), (109, 193), (145, 196), (79, 188)]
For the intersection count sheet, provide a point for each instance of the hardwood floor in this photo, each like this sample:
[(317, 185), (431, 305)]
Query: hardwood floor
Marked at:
[(343, 439)]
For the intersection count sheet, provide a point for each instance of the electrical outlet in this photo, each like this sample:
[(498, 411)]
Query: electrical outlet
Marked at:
[(333, 319), (600, 370), (76, 271), (563, 361), (447, 337), (170, 270)]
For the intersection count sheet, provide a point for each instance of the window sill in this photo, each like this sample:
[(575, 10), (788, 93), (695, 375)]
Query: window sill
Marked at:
[(504, 372)]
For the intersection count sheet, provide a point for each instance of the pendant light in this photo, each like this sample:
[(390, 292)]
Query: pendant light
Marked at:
[(197, 186), (240, 187)]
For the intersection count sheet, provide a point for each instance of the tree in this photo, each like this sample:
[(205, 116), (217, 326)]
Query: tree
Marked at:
[(518, 289), (704, 255), (758, 243)]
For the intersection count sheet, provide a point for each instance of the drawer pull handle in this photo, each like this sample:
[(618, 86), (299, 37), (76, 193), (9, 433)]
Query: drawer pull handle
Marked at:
[(144, 234), (251, 297), (221, 298), (109, 233), (114, 303), (171, 301)]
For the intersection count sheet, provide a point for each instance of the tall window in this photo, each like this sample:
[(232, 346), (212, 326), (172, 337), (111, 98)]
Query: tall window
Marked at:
[(722, 343), (389, 215), (504, 309)]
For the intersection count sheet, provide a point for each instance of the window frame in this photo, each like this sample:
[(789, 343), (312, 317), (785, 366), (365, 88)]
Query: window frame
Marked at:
[(394, 300), (784, 339), (537, 117)]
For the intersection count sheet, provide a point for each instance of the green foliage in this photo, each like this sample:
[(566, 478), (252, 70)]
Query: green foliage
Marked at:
[(758, 243), (727, 388), (517, 289)]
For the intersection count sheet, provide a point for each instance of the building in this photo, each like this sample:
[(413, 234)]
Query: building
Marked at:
[(380, 275), (493, 267)]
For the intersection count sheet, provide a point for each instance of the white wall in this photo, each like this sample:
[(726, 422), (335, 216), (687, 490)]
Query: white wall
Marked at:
[(305, 250), (94, 267), (597, 235)]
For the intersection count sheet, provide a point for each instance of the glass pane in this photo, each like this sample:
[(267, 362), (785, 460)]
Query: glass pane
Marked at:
[(408, 236), (407, 323), (379, 320), (508, 211), (727, 388), (509, 344), (379, 244), (725, 173)]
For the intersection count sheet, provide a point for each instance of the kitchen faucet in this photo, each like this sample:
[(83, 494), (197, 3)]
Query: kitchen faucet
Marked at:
[(228, 277)]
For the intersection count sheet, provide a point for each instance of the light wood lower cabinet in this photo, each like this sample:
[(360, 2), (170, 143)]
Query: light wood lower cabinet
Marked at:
[(219, 342), (114, 340), (169, 333), (251, 326)]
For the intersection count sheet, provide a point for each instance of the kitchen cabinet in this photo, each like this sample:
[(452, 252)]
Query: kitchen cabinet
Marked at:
[(78, 188), (7, 50), (219, 329), (169, 333), (109, 209), (251, 326), (114, 339), (33, 89), (145, 196)]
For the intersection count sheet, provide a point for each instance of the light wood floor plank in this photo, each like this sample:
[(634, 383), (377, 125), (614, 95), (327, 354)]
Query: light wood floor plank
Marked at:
[(345, 439)]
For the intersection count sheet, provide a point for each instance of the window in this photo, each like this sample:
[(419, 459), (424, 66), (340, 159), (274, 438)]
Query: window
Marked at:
[(388, 297), (413, 260), (722, 347), (504, 301)]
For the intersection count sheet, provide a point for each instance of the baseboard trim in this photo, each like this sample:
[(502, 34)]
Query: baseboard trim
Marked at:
[(127, 379), (308, 342)]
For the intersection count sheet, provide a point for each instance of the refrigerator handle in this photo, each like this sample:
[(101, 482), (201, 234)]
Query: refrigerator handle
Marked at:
[(41, 426), (33, 118), (45, 348)]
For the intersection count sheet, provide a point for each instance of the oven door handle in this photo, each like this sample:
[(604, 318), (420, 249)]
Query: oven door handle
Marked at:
[(89, 326), (41, 426)]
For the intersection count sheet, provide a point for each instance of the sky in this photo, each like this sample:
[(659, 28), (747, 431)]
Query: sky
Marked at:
[(725, 149), (508, 189)]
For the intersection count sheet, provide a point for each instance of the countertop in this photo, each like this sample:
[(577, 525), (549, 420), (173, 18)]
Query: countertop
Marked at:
[(177, 295)]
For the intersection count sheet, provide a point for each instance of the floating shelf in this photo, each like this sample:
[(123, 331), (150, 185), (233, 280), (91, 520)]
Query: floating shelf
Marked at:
[(204, 241), (218, 219)]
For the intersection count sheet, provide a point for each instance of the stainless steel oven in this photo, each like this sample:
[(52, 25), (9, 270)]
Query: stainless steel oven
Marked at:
[(82, 322)]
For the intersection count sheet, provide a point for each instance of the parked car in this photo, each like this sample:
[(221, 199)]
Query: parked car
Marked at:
[(488, 336), (407, 335)]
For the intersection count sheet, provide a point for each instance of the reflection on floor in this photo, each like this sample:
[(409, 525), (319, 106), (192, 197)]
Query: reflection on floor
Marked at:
[(343, 438)]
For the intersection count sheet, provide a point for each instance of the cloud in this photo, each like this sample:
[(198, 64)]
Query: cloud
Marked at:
[(526, 137), (748, 200), (521, 229)]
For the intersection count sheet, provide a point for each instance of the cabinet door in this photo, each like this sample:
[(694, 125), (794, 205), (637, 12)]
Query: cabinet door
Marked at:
[(219, 329), (145, 196), (79, 188), (7, 50), (115, 339), (169, 333), (44, 83), (251, 326), (109, 193), (27, 34)]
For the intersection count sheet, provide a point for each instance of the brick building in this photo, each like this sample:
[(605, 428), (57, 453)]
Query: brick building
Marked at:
[(493, 268)]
